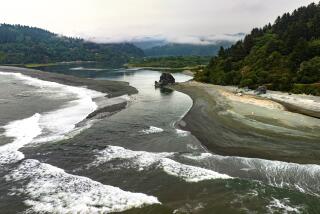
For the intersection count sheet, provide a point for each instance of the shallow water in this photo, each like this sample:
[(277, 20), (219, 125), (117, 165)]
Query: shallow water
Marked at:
[(140, 151)]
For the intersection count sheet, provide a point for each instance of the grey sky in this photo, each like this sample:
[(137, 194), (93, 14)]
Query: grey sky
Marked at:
[(116, 20)]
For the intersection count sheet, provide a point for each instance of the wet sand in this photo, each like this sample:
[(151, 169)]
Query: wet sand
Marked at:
[(249, 126), (113, 89), (299, 103)]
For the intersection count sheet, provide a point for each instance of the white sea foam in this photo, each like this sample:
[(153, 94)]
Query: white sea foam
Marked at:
[(23, 132), (86, 69), (52, 190), (49, 126), (142, 160), (198, 156), (281, 206), (152, 130), (182, 133), (48, 188), (302, 177), (42, 85), (57, 123)]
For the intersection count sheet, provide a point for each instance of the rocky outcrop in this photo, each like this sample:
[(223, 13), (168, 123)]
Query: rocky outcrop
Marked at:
[(261, 90), (165, 79)]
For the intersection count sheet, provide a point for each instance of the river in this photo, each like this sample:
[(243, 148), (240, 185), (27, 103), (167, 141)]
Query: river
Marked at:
[(135, 161)]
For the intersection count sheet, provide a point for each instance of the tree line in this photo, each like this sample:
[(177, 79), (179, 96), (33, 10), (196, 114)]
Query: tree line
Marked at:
[(283, 56), (23, 44)]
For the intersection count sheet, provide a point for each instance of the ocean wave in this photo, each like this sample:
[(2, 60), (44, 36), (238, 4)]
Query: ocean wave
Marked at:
[(302, 177), (48, 188), (86, 69), (182, 133), (152, 130), (141, 160), (282, 206), (51, 190), (50, 126), (23, 132)]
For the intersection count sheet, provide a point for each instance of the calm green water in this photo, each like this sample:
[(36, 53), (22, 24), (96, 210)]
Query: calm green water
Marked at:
[(139, 150)]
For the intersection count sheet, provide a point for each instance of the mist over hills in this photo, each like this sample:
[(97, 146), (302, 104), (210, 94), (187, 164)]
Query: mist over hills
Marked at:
[(23, 44), (186, 46)]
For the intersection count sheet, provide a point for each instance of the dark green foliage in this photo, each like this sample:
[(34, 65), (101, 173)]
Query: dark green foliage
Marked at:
[(307, 89), (169, 62), (280, 55), (309, 71), (175, 49), (23, 44)]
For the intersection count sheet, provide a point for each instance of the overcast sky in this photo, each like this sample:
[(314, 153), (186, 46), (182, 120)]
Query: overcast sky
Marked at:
[(116, 20)]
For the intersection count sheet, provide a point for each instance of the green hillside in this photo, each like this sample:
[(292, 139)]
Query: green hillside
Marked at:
[(284, 56), (174, 49), (23, 44)]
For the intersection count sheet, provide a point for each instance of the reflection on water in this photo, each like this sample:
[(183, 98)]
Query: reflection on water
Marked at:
[(166, 91)]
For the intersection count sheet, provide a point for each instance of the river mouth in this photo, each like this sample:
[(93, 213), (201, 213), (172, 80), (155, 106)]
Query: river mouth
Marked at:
[(141, 151)]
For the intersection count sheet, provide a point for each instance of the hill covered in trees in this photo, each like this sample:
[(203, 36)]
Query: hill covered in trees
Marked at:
[(23, 44), (170, 62), (175, 49), (284, 56)]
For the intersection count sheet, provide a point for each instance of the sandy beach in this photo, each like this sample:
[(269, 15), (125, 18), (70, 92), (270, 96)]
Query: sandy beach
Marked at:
[(114, 90), (111, 88), (252, 126)]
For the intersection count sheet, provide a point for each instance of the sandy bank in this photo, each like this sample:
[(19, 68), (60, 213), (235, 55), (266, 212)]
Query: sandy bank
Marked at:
[(249, 126), (188, 73), (300, 103), (114, 89)]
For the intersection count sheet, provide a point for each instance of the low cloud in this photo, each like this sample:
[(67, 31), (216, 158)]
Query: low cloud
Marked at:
[(199, 40)]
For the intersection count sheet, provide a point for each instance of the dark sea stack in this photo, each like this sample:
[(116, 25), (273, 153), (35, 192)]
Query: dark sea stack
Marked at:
[(261, 90), (165, 79)]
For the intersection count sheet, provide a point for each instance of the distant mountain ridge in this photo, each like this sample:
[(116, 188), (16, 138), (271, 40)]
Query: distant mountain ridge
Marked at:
[(186, 46), (175, 49), (22, 44)]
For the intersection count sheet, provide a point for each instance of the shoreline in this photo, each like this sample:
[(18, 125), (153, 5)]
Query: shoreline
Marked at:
[(308, 105), (112, 89), (248, 126)]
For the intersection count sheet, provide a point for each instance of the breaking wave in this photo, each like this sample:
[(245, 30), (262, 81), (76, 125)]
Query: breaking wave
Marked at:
[(152, 130), (52, 190), (302, 177), (142, 160), (50, 126)]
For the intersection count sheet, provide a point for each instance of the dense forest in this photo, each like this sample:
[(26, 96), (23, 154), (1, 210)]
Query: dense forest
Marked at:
[(170, 62), (174, 49), (284, 56), (23, 44)]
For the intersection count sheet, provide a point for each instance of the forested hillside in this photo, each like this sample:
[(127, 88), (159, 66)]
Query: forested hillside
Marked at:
[(284, 56), (174, 49), (170, 62), (23, 44)]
